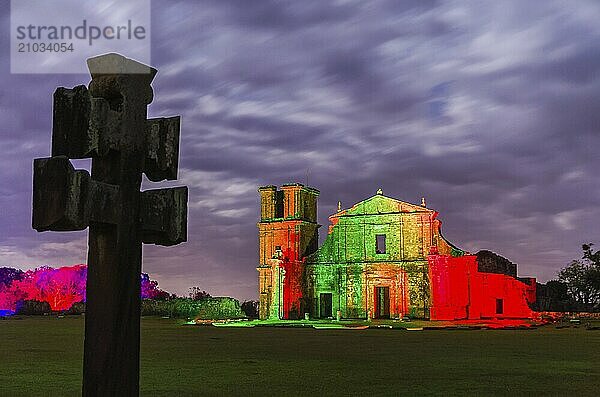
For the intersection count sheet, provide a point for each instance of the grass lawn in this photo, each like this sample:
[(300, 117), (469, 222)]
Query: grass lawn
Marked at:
[(42, 356)]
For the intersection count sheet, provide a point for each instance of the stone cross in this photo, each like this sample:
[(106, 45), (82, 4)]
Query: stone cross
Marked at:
[(107, 122)]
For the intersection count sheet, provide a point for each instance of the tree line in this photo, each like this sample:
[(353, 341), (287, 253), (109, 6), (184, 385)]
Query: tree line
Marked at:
[(46, 289), (577, 287)]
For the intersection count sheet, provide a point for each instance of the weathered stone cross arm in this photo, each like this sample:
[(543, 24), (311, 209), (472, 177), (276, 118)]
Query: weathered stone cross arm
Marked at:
[(85, 126), (66, 199)]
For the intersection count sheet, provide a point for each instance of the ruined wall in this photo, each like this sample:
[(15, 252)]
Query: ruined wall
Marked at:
[(491, 262), (295, 239), (460, 291), (352, 287), (271, 277), (299, 202)]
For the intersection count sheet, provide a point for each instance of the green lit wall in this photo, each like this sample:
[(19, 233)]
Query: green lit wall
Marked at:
[(348, 267)]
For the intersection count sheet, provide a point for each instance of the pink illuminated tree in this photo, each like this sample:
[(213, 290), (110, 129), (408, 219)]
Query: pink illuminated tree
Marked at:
[(60, 287)]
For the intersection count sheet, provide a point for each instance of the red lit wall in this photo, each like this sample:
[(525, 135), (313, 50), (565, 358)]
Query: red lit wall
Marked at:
[(459, 291), (292, 285), (292, 289), (286, 235)]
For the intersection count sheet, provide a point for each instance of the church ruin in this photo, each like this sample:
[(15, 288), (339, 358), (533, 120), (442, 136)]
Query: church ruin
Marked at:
[(382, 258)]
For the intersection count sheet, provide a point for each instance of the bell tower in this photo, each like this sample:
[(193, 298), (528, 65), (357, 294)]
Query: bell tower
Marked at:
[(287, 232)]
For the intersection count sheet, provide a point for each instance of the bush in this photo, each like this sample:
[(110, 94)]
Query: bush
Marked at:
[(250, 308), (32, 307), (76, 308), (207, 309)]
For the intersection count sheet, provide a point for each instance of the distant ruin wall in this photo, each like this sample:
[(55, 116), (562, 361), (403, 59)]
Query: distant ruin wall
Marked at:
[(490, 262), (459, 291)]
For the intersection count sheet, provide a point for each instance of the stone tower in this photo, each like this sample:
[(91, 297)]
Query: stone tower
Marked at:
[(288, 231)]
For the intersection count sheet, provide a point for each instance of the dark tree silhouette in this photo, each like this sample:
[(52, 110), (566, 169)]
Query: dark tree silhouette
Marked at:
[(250, 308), (8, 275), (582, 278), (198, 294)]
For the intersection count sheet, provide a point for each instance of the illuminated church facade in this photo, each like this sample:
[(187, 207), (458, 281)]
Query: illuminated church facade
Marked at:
[(382, 258)]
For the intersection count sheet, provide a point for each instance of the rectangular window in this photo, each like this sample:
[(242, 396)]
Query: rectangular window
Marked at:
[(380, 243), (279, 204), (499, 306)]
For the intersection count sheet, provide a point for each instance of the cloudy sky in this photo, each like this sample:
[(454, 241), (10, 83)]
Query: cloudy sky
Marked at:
[(491, 110)]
